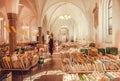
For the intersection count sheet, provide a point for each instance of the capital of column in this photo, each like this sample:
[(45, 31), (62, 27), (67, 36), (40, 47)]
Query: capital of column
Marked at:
[(39, 27), (12, 16)]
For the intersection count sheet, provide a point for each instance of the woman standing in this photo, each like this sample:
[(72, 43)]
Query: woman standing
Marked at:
[(51, 45)]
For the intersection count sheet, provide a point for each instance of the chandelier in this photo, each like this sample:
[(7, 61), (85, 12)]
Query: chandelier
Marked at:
[(65, 17), (64, 26)]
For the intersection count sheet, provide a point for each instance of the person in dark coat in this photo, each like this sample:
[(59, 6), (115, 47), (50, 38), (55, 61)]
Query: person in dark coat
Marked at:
[(43, 39), (51, 45)]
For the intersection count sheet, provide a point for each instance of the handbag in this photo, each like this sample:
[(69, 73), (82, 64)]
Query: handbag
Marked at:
[(41, 60)]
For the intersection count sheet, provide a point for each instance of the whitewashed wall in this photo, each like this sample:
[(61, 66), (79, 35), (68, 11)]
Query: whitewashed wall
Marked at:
[(116, 23)]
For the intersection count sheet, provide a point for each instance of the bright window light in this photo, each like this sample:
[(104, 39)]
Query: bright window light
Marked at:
[(69, 17), (25, 27), (1, 19)]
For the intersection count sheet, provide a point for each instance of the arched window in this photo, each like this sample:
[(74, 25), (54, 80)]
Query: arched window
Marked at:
[(110, 17)]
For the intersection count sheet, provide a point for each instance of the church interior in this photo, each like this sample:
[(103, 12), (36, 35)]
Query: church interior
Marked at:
[(59, 40)]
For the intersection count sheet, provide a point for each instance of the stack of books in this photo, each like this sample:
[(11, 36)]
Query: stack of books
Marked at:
[(76, 62), (19, 61)]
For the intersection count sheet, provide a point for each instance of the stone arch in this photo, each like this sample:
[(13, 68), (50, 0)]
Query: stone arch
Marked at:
[(57, 3)]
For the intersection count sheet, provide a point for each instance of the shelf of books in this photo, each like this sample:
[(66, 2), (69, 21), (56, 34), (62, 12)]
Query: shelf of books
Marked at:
[(74, 61), (90, 64), (94, 76), (18, 62), (21, 60)]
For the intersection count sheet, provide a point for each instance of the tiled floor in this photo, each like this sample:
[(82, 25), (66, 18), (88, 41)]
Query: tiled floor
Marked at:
[(54, 63)]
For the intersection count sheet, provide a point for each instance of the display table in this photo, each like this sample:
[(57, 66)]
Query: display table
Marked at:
[(26, 69)]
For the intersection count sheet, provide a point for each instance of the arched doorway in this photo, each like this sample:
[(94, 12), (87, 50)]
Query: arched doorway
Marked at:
[(64, 34)]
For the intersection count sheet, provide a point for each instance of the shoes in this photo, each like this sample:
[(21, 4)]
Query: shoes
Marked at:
[(51, 55)]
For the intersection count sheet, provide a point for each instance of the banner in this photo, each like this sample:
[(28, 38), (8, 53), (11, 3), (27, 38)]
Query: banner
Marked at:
[(34, 33), (22, 31), (7, 29), (13, 29)]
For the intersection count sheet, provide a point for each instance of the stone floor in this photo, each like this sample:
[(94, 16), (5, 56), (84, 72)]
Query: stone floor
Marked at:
[(53, 63), (50, 78)]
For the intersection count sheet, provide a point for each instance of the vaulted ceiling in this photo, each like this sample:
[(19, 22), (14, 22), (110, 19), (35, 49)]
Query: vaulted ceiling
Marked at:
[(46, 13), (40, 8)]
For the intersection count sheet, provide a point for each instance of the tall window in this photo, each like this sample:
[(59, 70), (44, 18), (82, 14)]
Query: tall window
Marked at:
[(110, 17)]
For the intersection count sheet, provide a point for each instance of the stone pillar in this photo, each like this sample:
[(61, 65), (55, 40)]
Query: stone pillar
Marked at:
[(40, 35), (2, 33), (30, 37), (95, 12), (12, 17)]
